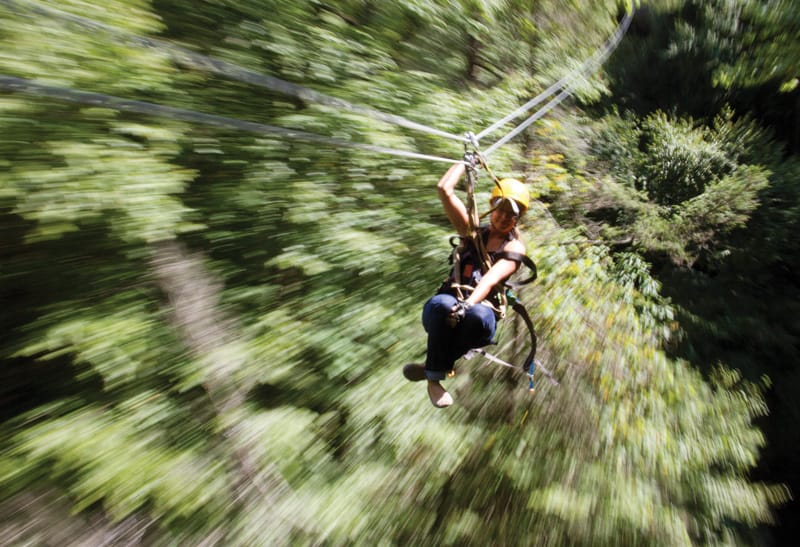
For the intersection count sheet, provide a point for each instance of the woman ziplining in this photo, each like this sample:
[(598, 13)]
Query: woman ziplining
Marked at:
[(463, 314), (474, 298)]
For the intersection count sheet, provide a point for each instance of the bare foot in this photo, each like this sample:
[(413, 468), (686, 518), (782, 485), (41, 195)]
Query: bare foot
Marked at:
[(439, 396)]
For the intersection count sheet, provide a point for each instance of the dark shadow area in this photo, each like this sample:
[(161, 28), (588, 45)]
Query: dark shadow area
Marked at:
[(727, 318)]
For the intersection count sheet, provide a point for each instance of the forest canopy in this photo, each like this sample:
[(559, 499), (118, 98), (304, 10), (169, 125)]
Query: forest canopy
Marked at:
[(219, 224)]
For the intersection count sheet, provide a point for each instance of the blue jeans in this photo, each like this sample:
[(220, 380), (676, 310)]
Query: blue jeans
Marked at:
[(446, 343)]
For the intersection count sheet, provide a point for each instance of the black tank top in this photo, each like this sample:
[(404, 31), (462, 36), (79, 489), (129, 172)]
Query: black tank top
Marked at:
[(470, 261)]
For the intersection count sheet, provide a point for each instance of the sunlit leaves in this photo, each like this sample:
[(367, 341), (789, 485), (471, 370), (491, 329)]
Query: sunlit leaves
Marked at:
[(694, 182), (106, 177), (117, 347), (66, 53), (758, 41), (117, 458), (723, 206), (678, 160)]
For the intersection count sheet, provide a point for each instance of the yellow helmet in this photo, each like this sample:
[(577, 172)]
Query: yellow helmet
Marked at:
[(511, 189)]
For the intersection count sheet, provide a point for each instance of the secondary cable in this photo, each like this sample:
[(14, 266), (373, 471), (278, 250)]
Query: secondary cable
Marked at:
[(537, 115), (21, 85), (567, 83), (204, 62)]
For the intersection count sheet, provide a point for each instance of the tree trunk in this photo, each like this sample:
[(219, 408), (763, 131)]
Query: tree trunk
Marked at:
[(473, 56), (193, 296)]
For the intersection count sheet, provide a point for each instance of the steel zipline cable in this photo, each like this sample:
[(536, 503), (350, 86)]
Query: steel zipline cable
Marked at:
[(587, 67), (566, 84), (204, 62), (181, 55), (21, 85)]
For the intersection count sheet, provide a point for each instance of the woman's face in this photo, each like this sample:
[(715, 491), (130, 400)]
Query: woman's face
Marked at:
[(504, 218)]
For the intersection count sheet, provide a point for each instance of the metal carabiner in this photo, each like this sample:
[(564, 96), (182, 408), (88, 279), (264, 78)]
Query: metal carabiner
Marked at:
[(471, 140)]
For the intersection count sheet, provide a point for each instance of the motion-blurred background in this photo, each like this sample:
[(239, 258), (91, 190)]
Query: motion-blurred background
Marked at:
[(203, 324)]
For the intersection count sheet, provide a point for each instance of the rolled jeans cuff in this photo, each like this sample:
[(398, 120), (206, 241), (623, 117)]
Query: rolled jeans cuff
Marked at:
[(435, 375)]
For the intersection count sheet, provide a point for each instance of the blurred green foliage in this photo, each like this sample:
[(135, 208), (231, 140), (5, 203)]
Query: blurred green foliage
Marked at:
[(203, 329), (681, 185)]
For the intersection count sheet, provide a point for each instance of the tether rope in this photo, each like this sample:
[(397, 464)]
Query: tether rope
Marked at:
[(225, 68), (21, 85), (494, 359)]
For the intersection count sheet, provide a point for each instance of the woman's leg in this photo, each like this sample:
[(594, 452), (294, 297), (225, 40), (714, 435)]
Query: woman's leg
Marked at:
[(439, 360), (447, 343), (476, 330)]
